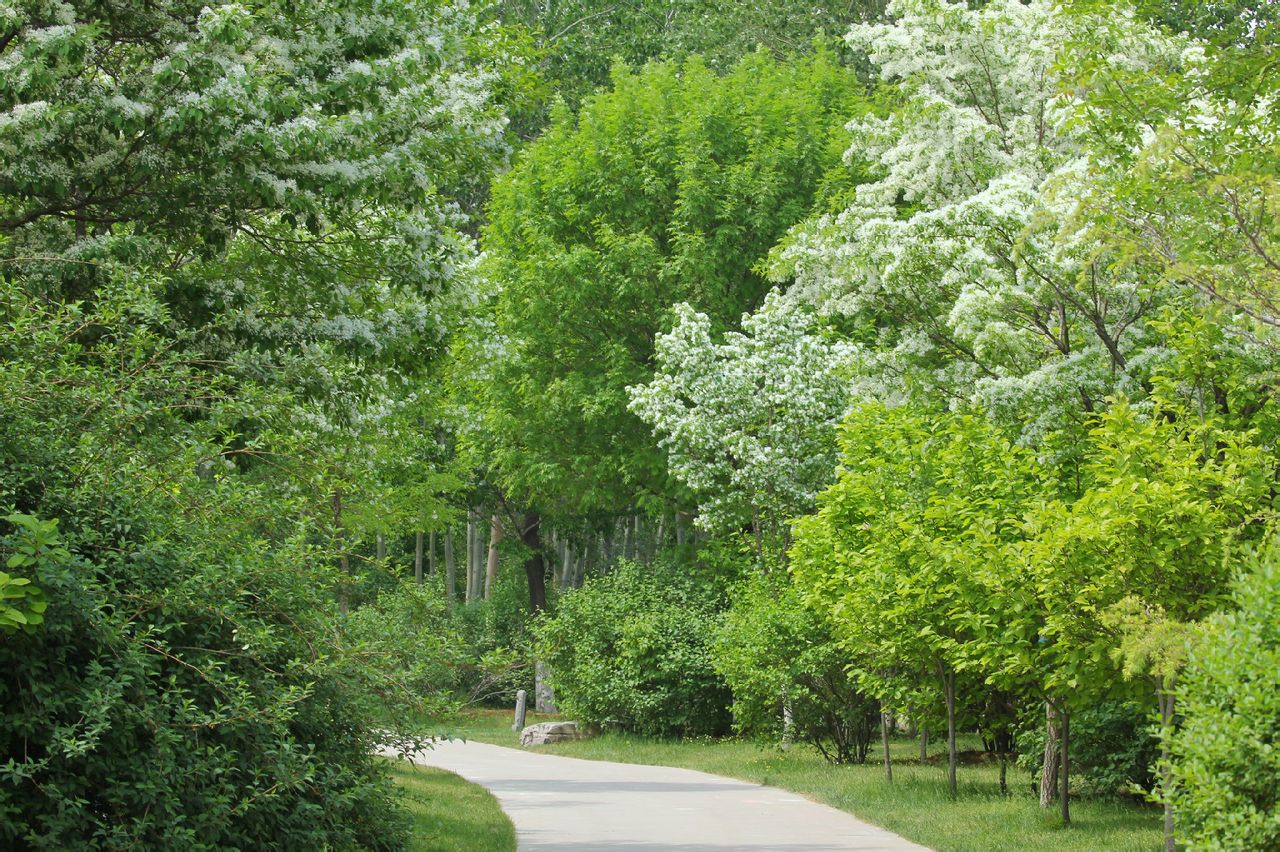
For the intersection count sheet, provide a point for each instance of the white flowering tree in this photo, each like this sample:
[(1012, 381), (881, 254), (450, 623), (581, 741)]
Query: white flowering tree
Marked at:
[(748, 423), (293, 169), (955, 254)]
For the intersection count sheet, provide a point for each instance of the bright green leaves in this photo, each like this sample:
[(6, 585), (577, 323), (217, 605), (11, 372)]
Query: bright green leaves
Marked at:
[(34, 548), (672, 187), (1224, 759)]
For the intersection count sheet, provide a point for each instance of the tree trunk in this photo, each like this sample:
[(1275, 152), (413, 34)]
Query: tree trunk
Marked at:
[(1064, 790), (471, 558), (884, 741), (417, 558), (1165, 698), (924, 743), (1049, 771), (380, 548), (949, 687), (491, 566), (450, 568), (431, 554), (535, 569), (344, 565)]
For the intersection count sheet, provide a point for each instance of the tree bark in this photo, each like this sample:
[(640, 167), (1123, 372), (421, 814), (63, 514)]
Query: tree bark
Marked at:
[(1049, 771), (1165, 697), (1064, 791), (491, 566), (470, 594), (884, 741), (949, 687), (431, 554), (450, 568), (535, 569), (417, 558), (924, 743), (344, 564), (380, 548)]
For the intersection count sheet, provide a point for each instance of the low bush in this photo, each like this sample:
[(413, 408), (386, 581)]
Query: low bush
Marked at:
[(632, 650), (775, 653)]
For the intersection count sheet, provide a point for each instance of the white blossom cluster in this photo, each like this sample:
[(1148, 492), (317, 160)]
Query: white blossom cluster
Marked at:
[(957, 252), (748, 423)]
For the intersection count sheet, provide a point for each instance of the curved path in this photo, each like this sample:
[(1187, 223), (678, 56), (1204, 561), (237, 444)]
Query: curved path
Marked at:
[(564, 803)]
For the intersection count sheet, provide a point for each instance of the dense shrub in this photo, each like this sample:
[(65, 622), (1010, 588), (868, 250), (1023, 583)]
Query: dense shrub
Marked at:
[(632, 650), (775, 653), (1113, 746), (1225, 763), (190, 685)]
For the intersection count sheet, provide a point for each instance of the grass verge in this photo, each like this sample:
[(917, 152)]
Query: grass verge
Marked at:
[(450, 813), (916, 806)]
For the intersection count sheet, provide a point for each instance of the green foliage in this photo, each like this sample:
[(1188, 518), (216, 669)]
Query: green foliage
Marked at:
[(909, 554), (582, 38), (1224, 762), (1114, 746), (632, 650), (36, 548), (776, 653), (671, 187), (187, 687)]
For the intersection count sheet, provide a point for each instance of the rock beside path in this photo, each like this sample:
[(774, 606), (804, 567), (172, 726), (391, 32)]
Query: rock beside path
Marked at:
[(549, 732)]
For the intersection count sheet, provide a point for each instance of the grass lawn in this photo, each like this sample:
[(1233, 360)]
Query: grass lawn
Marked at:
[(916, 806), (450, 813)]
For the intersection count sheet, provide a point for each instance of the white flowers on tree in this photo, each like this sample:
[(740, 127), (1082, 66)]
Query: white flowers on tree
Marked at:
[(748, 423), (294, 167), (955, 253)]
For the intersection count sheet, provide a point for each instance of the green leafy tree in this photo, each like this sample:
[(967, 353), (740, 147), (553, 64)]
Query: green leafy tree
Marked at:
[(1224, 766), (669, 188)]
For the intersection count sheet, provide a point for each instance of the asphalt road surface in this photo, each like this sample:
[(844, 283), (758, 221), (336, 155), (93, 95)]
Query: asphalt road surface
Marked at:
[(562, 803)]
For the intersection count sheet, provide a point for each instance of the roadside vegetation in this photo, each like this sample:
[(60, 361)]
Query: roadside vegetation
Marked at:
[(450, 814), (917, 805)]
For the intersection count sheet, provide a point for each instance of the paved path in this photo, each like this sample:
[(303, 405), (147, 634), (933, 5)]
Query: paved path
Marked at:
[(563, 803)]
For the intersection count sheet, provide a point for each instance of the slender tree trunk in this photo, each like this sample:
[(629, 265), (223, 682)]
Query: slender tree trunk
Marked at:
[(628, 550), (566, 566), (924, 743), (758, 534), (1049, 771), (949, 687), (1165, 697), (431, 554), (470, 594), (491, 566), (884, 741), (535, 569), (380, 548), (417, 558), (450, 568), (344, 563), (1064, 791)]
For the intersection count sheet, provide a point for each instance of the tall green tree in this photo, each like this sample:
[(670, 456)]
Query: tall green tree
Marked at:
[(669, 188)]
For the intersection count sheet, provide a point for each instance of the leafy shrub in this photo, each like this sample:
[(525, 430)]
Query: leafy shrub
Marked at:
[(775, 652), (1225, 765), (189, 684), (632, 650), (1113, 746)]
